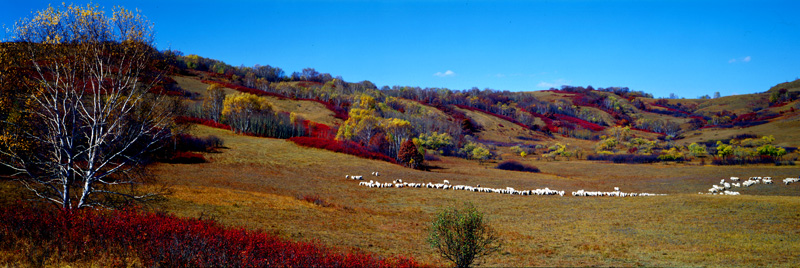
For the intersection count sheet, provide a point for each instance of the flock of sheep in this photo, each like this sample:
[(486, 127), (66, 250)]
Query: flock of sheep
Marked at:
[(445, 185), (723, 187)]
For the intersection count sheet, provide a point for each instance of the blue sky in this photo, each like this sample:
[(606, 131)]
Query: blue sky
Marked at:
[(690, 48)]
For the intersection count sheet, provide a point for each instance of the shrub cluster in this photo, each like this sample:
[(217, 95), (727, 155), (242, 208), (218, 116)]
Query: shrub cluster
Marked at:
[(350, 148), (186, 142), (517, 166), (625, 158), (159, 240), (762, 159)]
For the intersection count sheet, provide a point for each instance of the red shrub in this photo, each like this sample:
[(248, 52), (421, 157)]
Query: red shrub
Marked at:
[(583, 123), (509, 119), (160, 240), (350, 148)]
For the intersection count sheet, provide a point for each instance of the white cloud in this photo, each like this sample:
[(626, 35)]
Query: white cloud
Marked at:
[(556, 84), (745, 59), (445, 74)]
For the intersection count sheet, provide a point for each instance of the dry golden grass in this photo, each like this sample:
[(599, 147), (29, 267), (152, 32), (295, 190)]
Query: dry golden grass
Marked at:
[(785, 130), (497, 129), (739, 104), (255, 184)]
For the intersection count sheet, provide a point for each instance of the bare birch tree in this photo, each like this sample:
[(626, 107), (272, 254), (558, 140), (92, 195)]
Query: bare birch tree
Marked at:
[(89, 116)]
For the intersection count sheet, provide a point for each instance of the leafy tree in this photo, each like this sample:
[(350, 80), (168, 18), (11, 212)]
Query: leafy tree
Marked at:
[(397, 131), (724, 150), (771, 150), (88, 115), (409, 155), (361, 125), (481, 154), (475, 151), (696, 150), (241, 110), (673, 154), (435, 141), (213, 104), (462, 235)]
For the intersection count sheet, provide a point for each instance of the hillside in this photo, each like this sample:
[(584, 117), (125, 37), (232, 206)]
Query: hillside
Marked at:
[(261, 183)]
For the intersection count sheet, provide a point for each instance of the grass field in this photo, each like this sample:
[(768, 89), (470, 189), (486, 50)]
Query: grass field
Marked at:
[(256, 183)]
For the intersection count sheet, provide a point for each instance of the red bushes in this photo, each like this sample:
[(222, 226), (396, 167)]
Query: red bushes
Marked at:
[(159, 240), (350, 148), (583, 123), (509, 119)]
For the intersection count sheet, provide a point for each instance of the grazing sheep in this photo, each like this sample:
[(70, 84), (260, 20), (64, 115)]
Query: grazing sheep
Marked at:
[(788, 181), (446, 182), (734, 178), (767, 180)]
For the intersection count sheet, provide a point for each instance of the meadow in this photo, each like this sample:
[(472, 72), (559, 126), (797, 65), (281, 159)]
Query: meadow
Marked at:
[(302, 194)]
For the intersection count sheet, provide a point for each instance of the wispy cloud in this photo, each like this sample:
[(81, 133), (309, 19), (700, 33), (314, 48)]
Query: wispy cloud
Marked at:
[(745, 59), (445, 74), (557, 83)]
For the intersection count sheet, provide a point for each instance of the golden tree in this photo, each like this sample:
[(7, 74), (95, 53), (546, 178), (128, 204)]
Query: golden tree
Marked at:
[(85, 117)]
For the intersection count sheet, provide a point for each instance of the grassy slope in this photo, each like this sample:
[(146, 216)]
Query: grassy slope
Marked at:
[(309, 110), (497, 129), (786, 132), (254, 184)]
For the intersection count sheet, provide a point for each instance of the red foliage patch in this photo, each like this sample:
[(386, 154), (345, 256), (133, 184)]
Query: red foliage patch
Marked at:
[(160, 240), (672, 109), (583, 123), (350, 148), (509, 119), (550, 124)]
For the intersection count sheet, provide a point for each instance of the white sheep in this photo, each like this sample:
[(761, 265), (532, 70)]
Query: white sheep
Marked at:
[(446, 182), (734, 178)]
